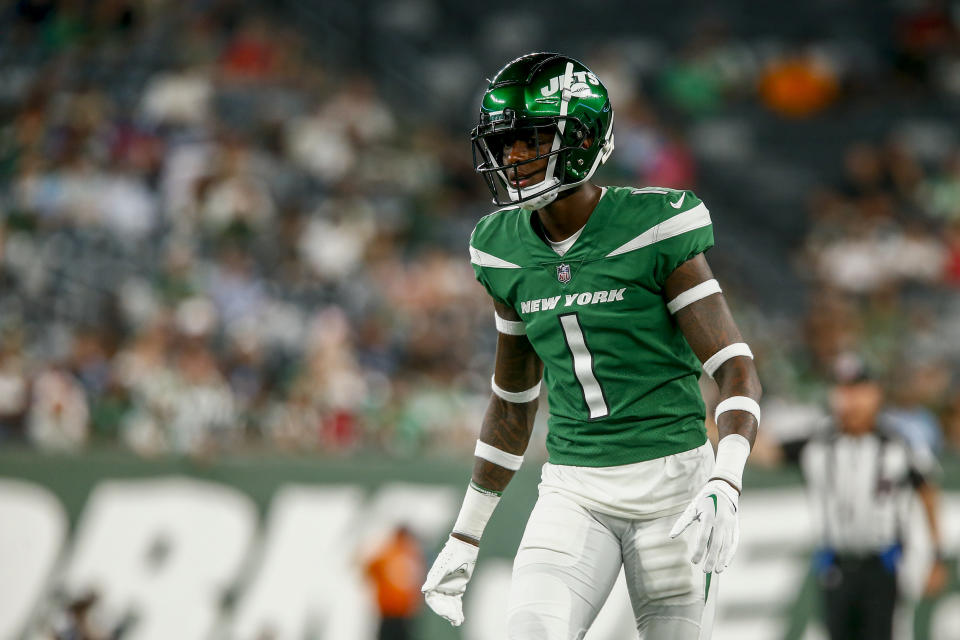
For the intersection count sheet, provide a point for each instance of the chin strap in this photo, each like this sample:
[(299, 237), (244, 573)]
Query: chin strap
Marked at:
[(548, 195)]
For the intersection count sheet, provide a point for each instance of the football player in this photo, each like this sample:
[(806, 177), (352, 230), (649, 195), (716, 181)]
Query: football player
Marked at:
[(606, 292)]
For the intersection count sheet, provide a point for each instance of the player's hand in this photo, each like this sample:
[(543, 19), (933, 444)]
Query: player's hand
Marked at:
[(715, 508), (448, 578)]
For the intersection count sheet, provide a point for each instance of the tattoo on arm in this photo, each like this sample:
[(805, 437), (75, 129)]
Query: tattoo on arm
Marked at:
[(507, 425), (708, 327)]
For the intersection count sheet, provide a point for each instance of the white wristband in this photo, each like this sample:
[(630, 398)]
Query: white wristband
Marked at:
[(510, 327), (477, 508), (738, 403), (730, 351), (732, 453), (517, 397), (498, 456)]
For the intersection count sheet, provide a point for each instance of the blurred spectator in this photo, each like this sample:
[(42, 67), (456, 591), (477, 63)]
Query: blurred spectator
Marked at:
[(234, 289), (712, 70), (14, 391), (951, 270), (59, 417), (178, 97), (925, 31), (203, 413), (235, 196), (940, 193), (252, 52), (397, 570), (335, 238), (328, 142), (648, 153), (799, 85), (692, 85), (255, 240)]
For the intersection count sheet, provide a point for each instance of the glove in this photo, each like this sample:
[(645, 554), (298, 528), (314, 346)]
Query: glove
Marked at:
[(448, 578), (715, 507)]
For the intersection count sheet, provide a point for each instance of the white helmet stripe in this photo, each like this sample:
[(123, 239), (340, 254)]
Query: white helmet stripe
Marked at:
[(562, 120)]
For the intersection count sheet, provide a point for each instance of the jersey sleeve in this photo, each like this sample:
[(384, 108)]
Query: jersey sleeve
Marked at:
[(482, 279), (684, 231), (476, 261)]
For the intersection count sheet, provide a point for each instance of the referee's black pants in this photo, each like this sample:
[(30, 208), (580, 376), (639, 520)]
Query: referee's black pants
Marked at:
[(859, 597)]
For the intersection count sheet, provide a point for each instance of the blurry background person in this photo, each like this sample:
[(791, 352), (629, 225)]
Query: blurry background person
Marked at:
[(396, 570), (859, 477)]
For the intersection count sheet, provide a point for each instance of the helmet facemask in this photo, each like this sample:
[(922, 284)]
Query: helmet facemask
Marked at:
[(490, 139), (548, 95)]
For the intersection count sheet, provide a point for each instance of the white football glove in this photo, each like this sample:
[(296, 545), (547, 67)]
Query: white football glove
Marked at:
[(715, 507), (448, 578)]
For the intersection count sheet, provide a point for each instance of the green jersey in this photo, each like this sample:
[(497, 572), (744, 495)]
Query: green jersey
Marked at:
[(621, 378)]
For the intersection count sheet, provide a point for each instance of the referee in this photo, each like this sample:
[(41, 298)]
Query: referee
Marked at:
[(860, 480)]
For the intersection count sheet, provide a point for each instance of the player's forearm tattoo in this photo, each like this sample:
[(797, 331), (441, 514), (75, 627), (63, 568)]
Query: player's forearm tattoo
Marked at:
[(507, 425), (712, 328), (708, 327)]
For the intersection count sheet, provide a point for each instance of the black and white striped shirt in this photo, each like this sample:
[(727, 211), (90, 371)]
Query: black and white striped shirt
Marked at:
[(860, 488)]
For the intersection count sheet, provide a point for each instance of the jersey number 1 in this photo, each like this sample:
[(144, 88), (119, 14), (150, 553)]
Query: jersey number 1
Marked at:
[(583, 366)]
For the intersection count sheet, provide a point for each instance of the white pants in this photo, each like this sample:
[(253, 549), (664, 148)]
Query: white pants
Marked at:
[(571, 555)]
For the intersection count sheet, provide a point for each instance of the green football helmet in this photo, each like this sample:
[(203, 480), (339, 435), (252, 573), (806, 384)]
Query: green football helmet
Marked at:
[(536, 94)]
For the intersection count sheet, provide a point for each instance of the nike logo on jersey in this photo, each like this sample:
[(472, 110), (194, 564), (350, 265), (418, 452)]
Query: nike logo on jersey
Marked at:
[(588, 297), (678, 203)]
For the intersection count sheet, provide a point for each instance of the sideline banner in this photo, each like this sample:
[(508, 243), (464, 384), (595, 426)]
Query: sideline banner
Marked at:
[(253, 547)]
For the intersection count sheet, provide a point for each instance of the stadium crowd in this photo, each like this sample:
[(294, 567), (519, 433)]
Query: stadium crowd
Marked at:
[(211, 241), (880, 261)]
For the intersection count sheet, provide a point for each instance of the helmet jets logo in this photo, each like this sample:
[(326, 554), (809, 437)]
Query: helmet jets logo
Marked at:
[(578, 89), (536, 92)]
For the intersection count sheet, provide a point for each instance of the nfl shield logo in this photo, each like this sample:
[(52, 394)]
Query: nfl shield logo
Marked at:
[(563, 273)]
